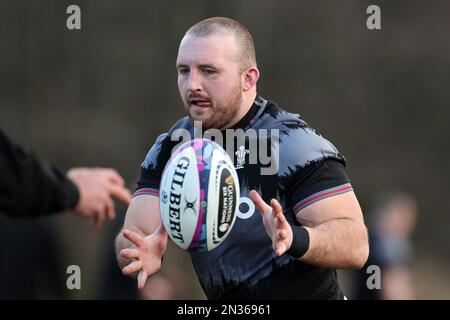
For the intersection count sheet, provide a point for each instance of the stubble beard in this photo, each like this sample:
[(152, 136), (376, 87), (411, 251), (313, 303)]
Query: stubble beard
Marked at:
[(221, 115)]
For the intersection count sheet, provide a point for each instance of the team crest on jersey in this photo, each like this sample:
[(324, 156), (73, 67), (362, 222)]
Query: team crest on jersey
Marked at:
[(240, 156)]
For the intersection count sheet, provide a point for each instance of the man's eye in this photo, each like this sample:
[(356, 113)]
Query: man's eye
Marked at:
[(183, 71), (209, 71)]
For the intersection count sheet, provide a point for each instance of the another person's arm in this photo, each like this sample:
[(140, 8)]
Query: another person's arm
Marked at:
[(30, 187)]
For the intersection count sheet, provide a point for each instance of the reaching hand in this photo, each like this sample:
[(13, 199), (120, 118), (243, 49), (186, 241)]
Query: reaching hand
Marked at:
[(277, 227), (147, 254), (97, 188)]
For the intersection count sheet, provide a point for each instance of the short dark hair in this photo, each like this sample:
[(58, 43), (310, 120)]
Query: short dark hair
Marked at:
[(243, 37)]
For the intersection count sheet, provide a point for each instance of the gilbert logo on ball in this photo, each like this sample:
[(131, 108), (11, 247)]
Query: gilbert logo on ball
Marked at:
[(199, 195)]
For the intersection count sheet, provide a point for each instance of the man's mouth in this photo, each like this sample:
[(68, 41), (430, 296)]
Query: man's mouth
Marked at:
[(201, 103)]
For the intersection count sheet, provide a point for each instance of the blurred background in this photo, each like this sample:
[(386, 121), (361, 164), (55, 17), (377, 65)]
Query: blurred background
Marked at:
[(99, 96)]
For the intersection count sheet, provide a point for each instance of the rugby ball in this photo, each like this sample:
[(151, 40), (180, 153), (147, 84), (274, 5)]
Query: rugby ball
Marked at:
[(199, 195)]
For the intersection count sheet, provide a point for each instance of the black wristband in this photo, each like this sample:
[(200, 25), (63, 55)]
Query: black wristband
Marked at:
[(300, 242)]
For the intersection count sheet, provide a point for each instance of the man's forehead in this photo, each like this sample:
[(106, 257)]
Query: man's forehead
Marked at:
[(214, 46)]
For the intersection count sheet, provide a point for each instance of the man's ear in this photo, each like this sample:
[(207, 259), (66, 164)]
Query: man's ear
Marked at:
[(250, 77)]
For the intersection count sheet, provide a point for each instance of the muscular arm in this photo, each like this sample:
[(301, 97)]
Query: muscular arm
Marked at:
[(143, 218), (338, 236)]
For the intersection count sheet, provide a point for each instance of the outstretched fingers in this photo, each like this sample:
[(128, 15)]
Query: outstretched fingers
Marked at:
[(276, 207), (142, 278), (133, 237), (129, 253), (120, 193), (132, 267), (263, 208), (275, 222), (278, 214), (110, 211), (98, 218), (282, 226)]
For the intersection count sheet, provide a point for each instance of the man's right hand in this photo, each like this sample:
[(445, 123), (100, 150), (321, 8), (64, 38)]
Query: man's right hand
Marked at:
[(146, 255)]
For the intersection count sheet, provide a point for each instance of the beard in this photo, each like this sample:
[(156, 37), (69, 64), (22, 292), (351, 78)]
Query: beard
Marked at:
[(217, 116)]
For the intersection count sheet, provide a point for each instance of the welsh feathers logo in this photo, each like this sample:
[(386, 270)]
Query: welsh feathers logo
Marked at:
[(240, 157)]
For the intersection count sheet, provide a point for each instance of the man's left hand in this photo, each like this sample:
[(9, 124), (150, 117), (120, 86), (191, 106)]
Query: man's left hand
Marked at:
[(277, 227)]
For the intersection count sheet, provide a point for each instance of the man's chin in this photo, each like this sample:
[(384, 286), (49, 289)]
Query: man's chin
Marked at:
[(201, 117), (204, 124)]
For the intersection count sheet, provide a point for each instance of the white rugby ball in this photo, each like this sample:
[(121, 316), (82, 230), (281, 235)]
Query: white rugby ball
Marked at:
[(199, 195)]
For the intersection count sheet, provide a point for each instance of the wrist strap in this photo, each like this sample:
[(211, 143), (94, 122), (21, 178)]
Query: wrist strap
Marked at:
[(300, 242)]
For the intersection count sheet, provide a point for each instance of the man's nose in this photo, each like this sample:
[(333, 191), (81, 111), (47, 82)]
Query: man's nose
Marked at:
[(194, 81)]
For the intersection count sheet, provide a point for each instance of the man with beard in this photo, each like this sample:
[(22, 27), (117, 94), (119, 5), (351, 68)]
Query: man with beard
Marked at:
[(309, 220)]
